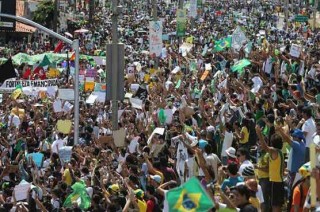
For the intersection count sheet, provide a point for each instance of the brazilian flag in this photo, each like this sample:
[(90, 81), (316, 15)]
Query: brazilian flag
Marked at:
[(191, 196), (222, 44)]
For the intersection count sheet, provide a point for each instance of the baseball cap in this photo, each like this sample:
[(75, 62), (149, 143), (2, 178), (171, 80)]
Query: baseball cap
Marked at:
[(297, 133), (114, 187), (139, 193), (156, 178)]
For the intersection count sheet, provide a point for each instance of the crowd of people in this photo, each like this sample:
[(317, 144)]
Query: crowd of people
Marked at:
[(245, 134)]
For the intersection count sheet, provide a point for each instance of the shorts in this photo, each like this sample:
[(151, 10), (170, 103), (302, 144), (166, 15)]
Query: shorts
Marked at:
[(277, 193)]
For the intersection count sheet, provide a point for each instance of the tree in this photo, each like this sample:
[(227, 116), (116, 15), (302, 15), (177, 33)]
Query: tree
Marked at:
[(45, 14)]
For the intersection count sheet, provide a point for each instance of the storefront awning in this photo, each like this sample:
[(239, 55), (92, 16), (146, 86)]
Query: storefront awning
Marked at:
[(20, 27)]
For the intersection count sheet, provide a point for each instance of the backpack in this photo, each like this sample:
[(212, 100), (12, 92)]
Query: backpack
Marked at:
[(298, 183)]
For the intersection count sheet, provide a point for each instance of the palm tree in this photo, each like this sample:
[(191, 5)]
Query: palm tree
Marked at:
[(45, 14)]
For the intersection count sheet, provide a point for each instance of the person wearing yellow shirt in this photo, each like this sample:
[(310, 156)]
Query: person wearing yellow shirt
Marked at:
[(243, 135), (276, 168)]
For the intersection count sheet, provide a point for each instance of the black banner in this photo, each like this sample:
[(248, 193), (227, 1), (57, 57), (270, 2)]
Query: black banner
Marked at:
[(8, 7)]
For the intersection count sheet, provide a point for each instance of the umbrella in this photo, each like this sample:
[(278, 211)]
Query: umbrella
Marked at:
[(81, 31), (68, 34)]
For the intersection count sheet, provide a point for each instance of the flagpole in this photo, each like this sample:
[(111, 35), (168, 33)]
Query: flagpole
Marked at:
[(68, 67)]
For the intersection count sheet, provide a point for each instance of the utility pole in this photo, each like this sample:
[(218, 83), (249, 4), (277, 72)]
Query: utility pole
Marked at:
[(55, 16), (286, 15), (91, 10), (315, 8), (155, 18), (180, 7), (115, 67)]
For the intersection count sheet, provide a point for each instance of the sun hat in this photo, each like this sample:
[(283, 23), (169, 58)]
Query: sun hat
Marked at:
[(231, 152)]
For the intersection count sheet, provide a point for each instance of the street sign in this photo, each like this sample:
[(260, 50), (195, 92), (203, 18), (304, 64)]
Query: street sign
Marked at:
[(8, 7), (6, 24), (301, 18), (115, 71)]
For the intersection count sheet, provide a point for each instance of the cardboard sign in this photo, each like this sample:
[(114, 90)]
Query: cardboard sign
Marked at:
[(66, 94), (119, 137), (64, 126), (105, 139)]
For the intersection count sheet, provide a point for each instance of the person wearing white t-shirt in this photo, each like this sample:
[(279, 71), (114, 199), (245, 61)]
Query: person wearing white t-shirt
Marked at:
[(309, 129), (243, 157), (227, 142), (134, 145), (57, 144)]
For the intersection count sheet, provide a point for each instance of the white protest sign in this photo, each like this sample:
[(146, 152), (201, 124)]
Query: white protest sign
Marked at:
[(134, 87), (66, 94), (67, 107), (51, 90), (65, 153), (119, 137), (176, 70), (295, 50), (21, 191), (136, 103), (91, 99), (169, 115), (101, 96), (57, 106), (158, 131), (155, 37), (11, 84)]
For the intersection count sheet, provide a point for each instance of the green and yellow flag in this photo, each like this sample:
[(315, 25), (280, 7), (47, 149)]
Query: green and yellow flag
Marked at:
[(238, 66), (17, 92), (79, 196), (191, 196), (222, 44)]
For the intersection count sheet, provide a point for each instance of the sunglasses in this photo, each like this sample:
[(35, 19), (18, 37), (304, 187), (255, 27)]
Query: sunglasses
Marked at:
[(238, 155)]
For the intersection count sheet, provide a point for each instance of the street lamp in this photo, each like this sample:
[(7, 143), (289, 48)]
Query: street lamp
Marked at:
[(75, 46)]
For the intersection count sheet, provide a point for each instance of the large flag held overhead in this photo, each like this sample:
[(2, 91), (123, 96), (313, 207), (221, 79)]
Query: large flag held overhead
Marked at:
[(238, 66), (223, 44), (190, 196), (238, 39), (7, 71), (79, 196)]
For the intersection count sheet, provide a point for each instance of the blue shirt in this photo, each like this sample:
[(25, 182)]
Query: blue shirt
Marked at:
[(230, 182), (296, 156)]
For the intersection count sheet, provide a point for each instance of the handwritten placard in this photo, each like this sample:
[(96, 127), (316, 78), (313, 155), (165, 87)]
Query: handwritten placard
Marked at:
[(21, 191), (65, 153)]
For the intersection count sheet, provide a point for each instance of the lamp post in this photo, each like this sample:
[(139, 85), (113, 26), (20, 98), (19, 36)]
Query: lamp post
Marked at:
[(75, 46)]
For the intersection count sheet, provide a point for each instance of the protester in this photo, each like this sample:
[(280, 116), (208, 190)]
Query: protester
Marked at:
[(234, 86)]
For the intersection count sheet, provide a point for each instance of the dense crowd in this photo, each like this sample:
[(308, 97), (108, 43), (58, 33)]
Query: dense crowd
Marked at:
[(244, 134)]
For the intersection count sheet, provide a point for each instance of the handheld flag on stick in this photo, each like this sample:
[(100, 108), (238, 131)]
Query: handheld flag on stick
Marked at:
[(238, 66), (190, 196)]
